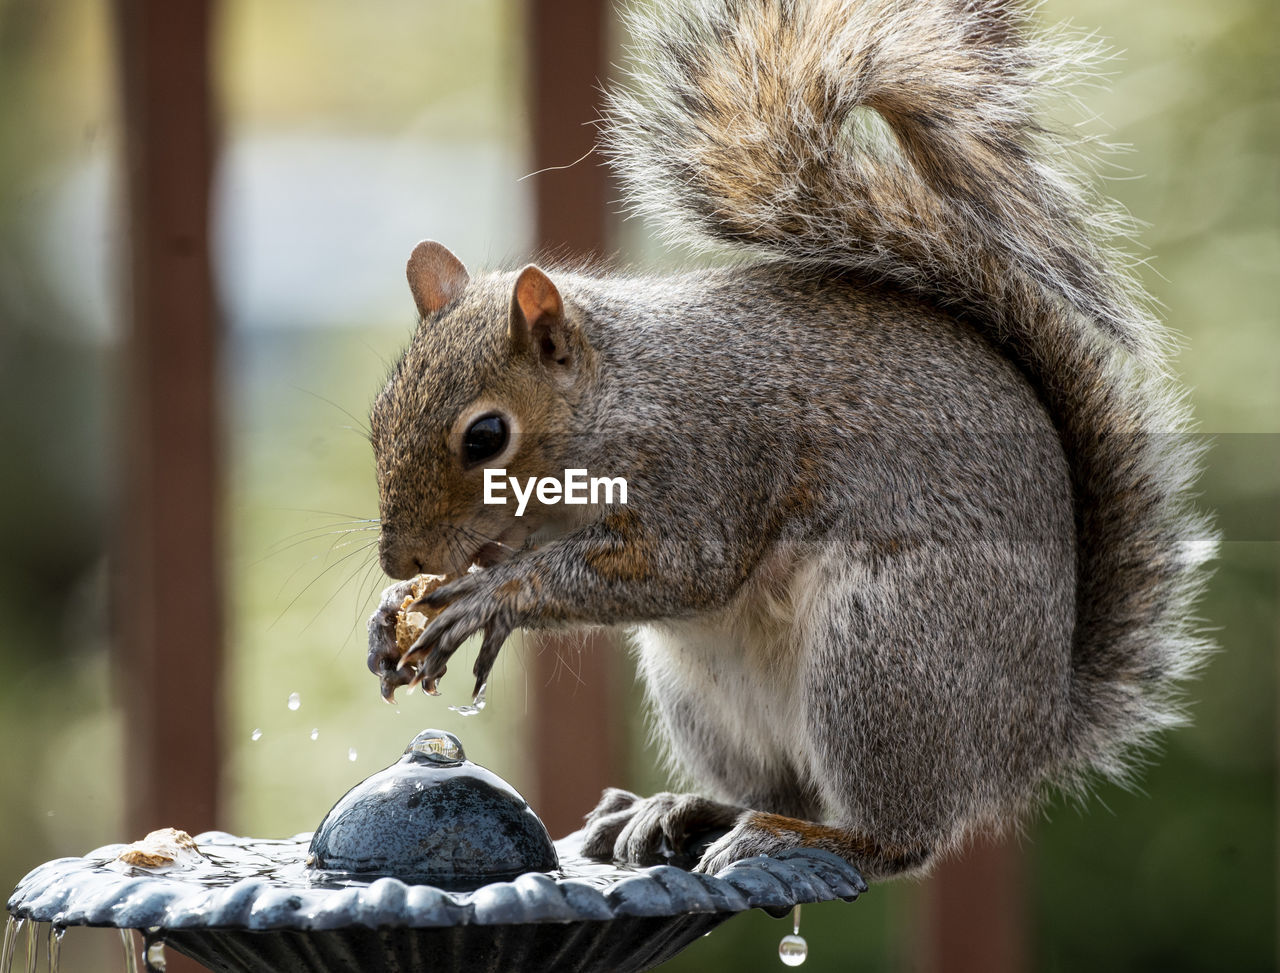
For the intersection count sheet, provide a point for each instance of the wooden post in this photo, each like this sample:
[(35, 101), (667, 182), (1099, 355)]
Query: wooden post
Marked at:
[(167, 571), (577, 716), (567, 59), (975, 912)]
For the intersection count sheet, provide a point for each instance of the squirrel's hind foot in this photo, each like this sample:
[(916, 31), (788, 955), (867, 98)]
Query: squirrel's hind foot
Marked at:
[(707, 836), (663, 829), (757, 833)]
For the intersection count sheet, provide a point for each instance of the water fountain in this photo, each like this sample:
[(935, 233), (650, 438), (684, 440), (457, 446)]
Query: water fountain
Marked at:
[(433, 863)]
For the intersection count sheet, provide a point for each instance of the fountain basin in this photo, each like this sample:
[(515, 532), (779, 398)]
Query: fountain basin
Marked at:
[(586, 916), (411, 870)]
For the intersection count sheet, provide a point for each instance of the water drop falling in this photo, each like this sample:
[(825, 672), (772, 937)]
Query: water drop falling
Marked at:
[(475, 706), (256, 735), (295, 701), (351, 754), (11, 930), (153, 954), (315, 732), (55, 946), (793, 949), (130, 954)]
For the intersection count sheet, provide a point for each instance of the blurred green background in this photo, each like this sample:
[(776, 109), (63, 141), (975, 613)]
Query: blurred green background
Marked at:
[(351, 131)]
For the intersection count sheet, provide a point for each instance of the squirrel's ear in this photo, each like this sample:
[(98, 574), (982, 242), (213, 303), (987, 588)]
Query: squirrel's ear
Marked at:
[(537, 319), (436, 276)]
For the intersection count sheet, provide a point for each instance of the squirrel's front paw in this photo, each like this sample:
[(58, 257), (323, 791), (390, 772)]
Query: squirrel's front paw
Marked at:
[(652, 830), (477, 602), (384, 652)]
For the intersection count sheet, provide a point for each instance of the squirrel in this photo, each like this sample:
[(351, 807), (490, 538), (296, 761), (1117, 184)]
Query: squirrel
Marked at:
[(908, 540)]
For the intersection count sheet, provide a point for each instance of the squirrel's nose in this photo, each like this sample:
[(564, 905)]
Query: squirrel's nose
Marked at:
[(396, 561), (400, 568)]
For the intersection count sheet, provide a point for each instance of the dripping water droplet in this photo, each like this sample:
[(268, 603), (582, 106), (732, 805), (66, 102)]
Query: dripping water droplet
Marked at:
[(475, 706), (351, 754), (130, 953), (295, 701), (153, 954), (793, 950), (315, 732), (256, 735), (55, 947)]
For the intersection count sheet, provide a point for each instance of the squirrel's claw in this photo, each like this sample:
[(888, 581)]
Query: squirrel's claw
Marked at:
[(448, 592), (494, 637), (390, 679), (433, 649), (428, 683)]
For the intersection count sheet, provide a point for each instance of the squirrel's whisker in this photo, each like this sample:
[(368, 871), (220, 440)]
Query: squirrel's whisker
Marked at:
[(307, 587)]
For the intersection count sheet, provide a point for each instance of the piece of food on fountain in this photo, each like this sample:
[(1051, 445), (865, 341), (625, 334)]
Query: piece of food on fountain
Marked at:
[(159, 849), (411, 624)]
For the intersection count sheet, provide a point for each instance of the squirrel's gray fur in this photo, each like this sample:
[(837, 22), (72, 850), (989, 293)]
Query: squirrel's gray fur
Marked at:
[(909, 536)]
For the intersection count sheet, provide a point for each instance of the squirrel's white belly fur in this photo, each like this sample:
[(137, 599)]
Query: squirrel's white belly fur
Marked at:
[(736, 673)]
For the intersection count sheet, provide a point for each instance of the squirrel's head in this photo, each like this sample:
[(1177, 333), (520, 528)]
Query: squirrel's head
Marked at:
[(489, 380)]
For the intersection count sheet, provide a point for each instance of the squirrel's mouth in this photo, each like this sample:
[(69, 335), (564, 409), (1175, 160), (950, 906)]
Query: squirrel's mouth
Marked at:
[(500, 548), (491, 554)]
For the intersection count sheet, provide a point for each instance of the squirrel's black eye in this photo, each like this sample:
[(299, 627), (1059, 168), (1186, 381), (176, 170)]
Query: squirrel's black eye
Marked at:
[(484, 439)]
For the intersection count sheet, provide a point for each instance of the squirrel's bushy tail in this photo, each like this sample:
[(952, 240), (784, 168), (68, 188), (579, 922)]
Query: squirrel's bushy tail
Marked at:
[(900, 140)]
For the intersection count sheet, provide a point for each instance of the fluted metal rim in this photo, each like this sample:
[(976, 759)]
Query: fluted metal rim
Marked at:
[(82, 892)]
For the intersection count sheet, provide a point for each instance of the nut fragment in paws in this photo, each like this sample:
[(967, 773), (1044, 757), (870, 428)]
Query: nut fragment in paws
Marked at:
[(410, 624)]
